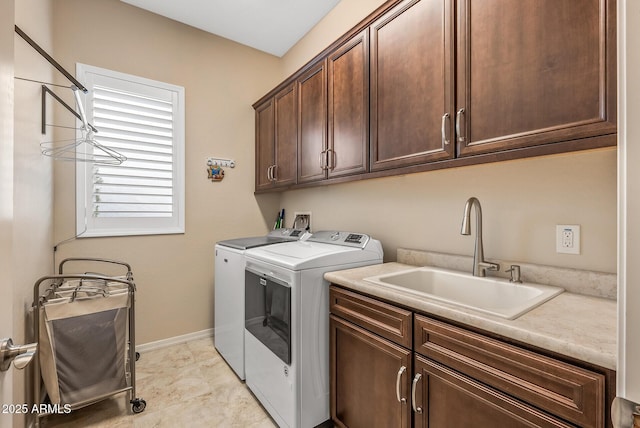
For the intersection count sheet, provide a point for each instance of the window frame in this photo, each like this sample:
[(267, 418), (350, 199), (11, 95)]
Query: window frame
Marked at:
[(88, 225)]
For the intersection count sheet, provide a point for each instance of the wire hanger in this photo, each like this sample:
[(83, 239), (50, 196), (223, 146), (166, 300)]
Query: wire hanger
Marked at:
[(84, 149)]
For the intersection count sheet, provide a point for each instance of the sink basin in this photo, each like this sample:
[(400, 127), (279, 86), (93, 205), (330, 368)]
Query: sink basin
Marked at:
[(494, 296)]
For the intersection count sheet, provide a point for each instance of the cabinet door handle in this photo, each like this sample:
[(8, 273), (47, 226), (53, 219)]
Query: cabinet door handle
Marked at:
[(413, 393), (331, 165), (274, 170), (458, 127), (269, 173), (323, 165), (445, 122), (398, 378)]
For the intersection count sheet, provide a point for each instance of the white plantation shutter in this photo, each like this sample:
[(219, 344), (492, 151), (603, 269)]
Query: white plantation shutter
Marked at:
[(141, 129), (144, 121)]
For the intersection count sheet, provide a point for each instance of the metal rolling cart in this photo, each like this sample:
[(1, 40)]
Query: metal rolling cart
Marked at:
[(85, 327)]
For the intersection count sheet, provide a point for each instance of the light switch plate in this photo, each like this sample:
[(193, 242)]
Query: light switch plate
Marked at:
[(568, 239)]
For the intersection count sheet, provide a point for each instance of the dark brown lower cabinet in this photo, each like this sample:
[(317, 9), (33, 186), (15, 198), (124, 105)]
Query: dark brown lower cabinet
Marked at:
[(391, 367), (371, 373), (444, 398)]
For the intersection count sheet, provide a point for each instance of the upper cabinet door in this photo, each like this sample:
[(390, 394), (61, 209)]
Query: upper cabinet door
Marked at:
[(412, 84), (348, 115), (312, 124), (286, 137), (265, 141), (532, 72)]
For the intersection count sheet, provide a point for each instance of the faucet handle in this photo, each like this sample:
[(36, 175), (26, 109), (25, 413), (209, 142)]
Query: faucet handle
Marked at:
[(489, 265), (515, 274)]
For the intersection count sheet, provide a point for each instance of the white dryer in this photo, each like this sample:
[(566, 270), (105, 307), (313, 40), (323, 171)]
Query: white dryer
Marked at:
[(287, 321), (229, 292)]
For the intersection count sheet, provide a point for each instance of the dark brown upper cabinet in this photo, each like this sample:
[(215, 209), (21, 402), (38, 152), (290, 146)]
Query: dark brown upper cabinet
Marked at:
[(348, 100), (265, 144), (534, 72), (312, 124), (412, 84), (422, 85), (276, 140), (333, 113)]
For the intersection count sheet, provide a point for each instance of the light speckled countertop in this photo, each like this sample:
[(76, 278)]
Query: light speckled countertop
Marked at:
[(575, 325)]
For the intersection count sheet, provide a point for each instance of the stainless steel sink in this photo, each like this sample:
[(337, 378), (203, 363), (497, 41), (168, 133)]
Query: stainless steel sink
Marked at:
[(494, 296)]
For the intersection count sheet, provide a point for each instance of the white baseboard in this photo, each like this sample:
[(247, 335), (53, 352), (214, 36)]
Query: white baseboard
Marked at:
[(159, 344)]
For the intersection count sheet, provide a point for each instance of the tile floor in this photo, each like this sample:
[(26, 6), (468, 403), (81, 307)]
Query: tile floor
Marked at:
[(187, 385)]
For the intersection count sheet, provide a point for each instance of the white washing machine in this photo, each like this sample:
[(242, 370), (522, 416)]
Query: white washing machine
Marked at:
[(287, 321), (229, 292)]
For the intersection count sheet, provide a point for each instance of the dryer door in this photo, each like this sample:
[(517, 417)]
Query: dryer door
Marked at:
[(268, 312)]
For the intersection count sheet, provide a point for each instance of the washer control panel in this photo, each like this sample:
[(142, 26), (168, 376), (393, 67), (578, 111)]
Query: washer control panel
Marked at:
[(349, 239)]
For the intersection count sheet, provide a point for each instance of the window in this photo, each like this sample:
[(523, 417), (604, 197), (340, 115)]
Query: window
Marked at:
[(143, 120)]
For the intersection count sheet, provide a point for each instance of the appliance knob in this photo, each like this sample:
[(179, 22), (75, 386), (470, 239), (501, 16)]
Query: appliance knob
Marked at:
[(335, 236)]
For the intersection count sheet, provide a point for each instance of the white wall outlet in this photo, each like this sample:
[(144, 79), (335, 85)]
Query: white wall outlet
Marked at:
[(568, 239)]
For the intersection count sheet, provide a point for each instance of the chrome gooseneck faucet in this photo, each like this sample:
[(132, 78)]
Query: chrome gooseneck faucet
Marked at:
[(480, 265)]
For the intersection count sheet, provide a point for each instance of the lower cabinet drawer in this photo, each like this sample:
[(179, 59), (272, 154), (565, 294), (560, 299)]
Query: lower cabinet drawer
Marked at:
[(572, 393), (388, 321)]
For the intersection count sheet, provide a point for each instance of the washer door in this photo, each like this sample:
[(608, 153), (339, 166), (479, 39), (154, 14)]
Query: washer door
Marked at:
[(268, 312)]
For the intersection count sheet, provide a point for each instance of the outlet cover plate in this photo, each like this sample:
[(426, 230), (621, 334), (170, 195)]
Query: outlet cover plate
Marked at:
[(568, 239)]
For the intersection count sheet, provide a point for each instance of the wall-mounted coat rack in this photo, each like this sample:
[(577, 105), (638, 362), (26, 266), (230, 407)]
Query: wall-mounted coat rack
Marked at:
[(85, 149), (45, 90), (52, 61)]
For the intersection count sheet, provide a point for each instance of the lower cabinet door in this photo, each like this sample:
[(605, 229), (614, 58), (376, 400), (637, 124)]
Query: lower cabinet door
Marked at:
[(369, 379), (444, 398)]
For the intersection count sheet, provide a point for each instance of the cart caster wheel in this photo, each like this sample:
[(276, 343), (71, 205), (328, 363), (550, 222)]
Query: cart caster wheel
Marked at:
[(137, 356), (138, 405)]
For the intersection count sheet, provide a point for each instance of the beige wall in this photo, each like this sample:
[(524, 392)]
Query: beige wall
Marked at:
[(522, 200), (222, 80), (33, 188), (341, 19)]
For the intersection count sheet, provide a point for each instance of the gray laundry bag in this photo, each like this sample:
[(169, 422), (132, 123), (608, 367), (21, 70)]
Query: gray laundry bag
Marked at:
[(83, 344)]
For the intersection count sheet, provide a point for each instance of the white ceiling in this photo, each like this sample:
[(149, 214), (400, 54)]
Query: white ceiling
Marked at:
[(272, 26)]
